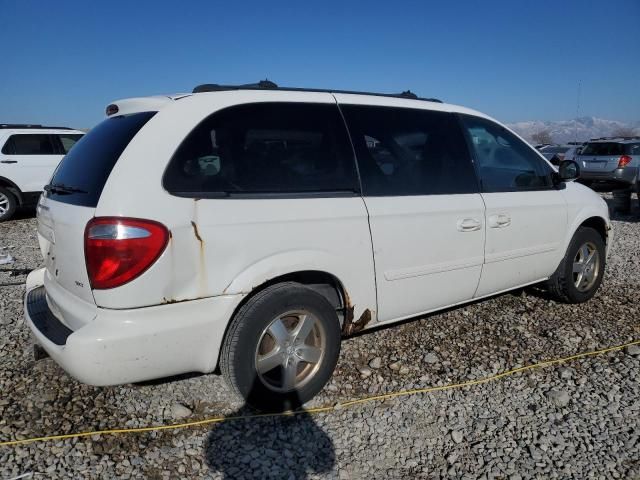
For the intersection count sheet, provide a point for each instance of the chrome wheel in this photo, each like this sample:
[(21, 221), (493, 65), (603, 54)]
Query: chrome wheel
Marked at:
[(290, 351), (586, 267), (4, 204)]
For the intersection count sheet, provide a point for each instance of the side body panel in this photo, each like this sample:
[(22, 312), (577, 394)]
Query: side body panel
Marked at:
[(231, 246)]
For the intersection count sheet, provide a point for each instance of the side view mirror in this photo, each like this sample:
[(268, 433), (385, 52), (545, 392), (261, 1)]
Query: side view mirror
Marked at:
[(568, 170)]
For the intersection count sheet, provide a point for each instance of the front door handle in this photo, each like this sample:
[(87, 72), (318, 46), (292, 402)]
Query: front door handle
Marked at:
[(500, 220), (8, 161), (469, 225)]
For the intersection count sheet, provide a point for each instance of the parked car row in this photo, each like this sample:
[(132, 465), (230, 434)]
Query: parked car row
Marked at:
[(248, 228)]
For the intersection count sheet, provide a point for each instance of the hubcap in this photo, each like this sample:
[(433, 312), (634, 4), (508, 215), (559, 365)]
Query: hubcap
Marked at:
[(4, 204), (586, 267), (290, 351)]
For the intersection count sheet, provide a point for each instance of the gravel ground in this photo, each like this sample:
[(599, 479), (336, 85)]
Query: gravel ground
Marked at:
[(580, 419)]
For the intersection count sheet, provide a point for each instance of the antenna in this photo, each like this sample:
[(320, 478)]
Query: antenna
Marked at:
[(575, 136)]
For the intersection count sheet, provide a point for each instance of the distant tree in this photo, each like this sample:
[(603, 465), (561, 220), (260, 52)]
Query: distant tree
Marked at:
[(623, 132), (543, 136)]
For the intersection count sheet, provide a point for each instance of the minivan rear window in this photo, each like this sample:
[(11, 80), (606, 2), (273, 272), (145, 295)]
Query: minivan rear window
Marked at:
[(83, 172)]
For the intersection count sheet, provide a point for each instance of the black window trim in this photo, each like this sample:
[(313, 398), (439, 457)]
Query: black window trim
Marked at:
[(223, 195), (471, 150)]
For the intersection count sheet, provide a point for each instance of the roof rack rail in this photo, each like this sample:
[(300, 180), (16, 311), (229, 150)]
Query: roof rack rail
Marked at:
[(269, 85), (619, 137), (31, 125)]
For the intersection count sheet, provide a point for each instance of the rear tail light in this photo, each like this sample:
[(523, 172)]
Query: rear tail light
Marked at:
[(624, 161), (117, 249)]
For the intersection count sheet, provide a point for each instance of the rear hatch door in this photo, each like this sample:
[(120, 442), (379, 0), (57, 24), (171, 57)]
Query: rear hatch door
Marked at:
[(69, 202), (601, 156)]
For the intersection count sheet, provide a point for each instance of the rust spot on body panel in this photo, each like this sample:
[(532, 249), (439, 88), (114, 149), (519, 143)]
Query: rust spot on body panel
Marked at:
[(350, 327), (196, 232)]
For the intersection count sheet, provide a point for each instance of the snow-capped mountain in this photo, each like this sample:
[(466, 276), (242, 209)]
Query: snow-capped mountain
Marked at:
[(579, 129)]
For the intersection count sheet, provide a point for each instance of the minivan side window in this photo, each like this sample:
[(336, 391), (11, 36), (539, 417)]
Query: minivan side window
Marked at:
[(504, 162), (29, 144), (404, 151), (265, 148)]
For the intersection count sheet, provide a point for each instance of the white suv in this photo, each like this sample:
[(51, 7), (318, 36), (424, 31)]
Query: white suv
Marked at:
[(28, 156), (250, 228)]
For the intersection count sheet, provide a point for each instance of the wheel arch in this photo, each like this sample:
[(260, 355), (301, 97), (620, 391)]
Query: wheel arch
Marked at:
[(13, 188), (326, 284)]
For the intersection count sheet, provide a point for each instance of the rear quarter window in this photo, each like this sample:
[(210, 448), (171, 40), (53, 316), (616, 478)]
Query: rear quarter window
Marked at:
[(86, 168), (265, 149)]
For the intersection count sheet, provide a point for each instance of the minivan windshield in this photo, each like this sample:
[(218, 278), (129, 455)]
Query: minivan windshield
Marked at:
[(83, 172)]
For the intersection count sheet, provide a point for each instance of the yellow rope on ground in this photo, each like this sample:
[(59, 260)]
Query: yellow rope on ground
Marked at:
[(349, 403)]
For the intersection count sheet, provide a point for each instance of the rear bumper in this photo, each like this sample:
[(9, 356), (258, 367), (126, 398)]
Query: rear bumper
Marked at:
[(618, 178), (124, 346)]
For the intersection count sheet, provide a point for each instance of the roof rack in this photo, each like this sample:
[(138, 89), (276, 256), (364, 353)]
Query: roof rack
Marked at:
[(31, 125), (615, 138), (269, 85)]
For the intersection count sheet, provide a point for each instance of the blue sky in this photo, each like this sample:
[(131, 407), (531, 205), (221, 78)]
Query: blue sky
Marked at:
[(63, 62)]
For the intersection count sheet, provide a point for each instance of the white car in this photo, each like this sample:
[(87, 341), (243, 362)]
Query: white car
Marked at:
[(250, 228), (28, 156)]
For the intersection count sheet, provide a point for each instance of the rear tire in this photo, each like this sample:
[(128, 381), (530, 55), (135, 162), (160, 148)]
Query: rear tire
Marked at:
[(580, 273), (622, 200), (8, 204), (281, 347)]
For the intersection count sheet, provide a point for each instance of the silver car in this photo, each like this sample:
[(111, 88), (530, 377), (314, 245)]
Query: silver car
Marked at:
[(612, 164)]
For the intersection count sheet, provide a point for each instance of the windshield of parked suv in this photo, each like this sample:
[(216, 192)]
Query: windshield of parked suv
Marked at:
[(603, 148), (80, 177)]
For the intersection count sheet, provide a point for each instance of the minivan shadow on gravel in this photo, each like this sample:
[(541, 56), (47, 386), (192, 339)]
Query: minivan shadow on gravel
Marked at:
[(282, 447)]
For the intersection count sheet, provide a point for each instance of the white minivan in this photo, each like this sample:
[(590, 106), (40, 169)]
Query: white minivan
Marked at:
[(28, 156), (247, 229)]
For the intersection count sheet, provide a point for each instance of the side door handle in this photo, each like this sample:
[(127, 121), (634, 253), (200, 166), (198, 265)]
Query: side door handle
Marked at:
[(469, 225), (500, 220), (8, 161)]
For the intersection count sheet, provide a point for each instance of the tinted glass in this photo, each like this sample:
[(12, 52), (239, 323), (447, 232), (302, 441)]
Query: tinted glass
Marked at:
[(265, 148), (403, 151), (632, 149), (88, 165), (603, 148), (68, 140), (30, 144), (505, 163)]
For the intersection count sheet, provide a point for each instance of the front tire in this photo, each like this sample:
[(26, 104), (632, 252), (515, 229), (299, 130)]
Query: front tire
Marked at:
[(281, 347), (8, 204), (580, 273)]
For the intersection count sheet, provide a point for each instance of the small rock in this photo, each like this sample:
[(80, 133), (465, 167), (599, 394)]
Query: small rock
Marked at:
[(179, 411), (559, 398), (403, 370), (633, 350), (431, 358), (375, 363), (565, 373), (457, 436), (365, 372), (395, 366)]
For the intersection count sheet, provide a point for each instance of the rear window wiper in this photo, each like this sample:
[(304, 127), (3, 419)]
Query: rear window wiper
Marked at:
[(61, 188)]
